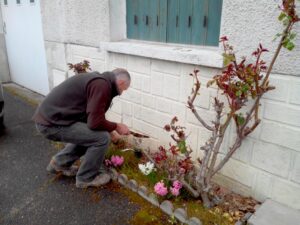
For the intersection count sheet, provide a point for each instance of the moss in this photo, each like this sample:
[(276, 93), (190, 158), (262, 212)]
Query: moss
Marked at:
[(153, 215), (207, 216), (148, 214), (57, 145), (15, 92)]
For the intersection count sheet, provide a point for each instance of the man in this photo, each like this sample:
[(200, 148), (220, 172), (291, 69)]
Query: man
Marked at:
[(74, 112)]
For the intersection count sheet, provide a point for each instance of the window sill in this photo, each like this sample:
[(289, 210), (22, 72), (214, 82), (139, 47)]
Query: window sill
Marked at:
[(204, 56)]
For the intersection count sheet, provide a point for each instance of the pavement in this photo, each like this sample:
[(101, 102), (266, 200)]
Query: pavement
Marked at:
[(28, 195), (274, 213)]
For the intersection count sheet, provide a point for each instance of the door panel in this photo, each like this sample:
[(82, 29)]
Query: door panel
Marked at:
[(25, 44)]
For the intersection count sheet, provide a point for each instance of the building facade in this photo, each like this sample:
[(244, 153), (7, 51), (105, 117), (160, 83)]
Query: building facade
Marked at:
[(105, 32)]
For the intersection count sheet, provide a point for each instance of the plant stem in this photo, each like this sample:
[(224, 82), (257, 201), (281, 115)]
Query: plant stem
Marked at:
[(285, 33)]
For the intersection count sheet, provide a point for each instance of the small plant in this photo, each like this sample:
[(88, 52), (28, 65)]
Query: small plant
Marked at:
[(176, 160), (243, 84), (173, 220), (147, 168), (115, 161), (81, 67)]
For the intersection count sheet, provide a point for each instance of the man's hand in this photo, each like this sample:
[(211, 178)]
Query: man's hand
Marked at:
[(122, 129), (115, 137)]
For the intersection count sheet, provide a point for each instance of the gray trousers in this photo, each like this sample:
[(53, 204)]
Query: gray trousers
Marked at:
[(81, 141)]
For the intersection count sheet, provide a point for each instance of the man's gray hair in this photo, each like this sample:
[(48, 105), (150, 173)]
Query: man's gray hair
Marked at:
[(121, 74)]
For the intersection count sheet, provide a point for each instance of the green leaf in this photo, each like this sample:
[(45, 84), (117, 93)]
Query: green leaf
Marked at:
[(290, 46), (152, 177), (276, 36), (281, 16), (210, 83), (285, 42), (228, 58), (289, 17), (182, 147), (238, 93), (292, 36), (240, 119), (245, 88), (285, 21)]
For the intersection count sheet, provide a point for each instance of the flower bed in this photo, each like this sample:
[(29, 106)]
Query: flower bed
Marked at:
[(137, 174)]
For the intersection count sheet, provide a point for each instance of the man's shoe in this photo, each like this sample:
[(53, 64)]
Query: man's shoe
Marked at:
[(67, 171), (98, 181)]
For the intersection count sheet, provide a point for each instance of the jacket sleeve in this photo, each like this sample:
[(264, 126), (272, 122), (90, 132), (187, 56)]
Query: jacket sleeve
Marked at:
[(98, 94)]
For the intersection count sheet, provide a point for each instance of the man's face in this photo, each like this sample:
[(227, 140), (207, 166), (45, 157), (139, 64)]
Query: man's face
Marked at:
[(122, 86)]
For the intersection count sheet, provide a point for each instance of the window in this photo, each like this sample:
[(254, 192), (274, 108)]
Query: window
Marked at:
[(5, 2), (18, 1), (31, 1), (176, 21)]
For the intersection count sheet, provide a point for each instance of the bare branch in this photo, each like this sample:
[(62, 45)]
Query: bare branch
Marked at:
[(285, 33), (235, 146), (189, 188), (191, 102), (191, 106)]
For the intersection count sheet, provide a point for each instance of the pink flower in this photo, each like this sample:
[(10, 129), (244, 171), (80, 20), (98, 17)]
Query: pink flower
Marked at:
[(107, 162), (182, 171), (177, 184), (117, 160), (175, 191), (160, 188)]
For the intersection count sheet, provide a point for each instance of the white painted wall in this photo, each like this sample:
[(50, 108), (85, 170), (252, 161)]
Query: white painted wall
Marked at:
[(267, 164), (84, 22), (4, 69), (247, 23)]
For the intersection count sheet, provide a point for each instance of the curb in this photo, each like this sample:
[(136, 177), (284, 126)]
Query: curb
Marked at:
[(166, 206)]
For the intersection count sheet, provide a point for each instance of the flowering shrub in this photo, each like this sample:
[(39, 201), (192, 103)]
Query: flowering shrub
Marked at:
[(175, 190), (147, 168), (81, 67), (174, 161), (162, 190), (239, 82), (114, 161)]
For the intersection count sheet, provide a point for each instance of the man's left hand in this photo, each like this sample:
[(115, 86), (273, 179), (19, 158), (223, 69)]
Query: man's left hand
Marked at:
[(115, 137)]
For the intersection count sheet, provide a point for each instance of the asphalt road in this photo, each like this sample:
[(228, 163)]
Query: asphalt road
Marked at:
[(30, 196)]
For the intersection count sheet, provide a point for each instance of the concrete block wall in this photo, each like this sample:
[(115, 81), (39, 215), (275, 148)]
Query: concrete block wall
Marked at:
[(60, 54), (267, 164), (159, 91)]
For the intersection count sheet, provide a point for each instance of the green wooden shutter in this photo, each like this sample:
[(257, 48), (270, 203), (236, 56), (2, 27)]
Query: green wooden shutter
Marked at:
[(185, 21), (179, 27), (176, 21), (132, 19), (162, 20), (173, 21), (199, 22), (213, 22), (156, 11), (146, 19)]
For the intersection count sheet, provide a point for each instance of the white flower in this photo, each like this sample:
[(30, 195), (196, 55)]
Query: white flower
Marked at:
[(146, 168)]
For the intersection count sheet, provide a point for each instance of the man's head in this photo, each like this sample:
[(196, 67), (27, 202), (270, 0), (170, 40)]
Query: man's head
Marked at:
[(122, 79)]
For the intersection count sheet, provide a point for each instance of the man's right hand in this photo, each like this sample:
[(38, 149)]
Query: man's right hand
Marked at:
[(122, 129)]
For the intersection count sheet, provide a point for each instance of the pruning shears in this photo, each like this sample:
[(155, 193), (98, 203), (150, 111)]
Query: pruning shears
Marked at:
[(135, 134)]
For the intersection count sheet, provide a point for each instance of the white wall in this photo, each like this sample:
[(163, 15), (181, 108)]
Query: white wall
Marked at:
[(4, 69), (248, 23), (267, 164), (83, 22)]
